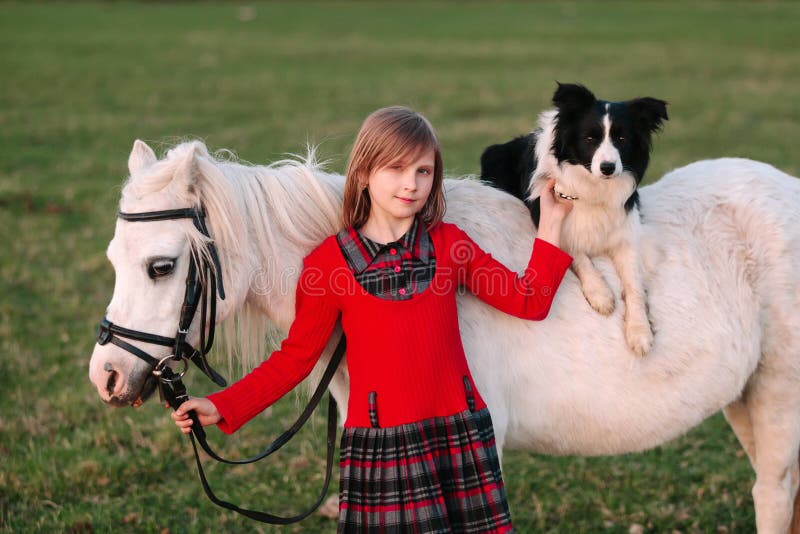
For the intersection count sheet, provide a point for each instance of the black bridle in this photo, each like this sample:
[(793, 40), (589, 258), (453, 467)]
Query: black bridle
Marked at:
[(171, 387), (108, 332)]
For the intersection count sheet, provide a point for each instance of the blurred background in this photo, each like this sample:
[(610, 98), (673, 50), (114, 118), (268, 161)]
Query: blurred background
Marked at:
[(81, 81)]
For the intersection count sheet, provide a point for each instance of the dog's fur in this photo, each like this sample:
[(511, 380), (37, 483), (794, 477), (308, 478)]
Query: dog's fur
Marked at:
[(598, 152)]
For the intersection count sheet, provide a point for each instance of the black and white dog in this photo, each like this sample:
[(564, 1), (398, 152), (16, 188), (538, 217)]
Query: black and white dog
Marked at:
[(598, 152)]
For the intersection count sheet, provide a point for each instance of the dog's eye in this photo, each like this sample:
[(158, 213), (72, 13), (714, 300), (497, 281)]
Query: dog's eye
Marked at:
[(160, 267)]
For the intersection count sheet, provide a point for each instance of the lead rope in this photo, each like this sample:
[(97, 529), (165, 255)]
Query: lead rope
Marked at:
[(174, 392)]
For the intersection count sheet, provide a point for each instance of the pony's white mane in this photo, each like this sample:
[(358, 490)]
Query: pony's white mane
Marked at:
[(250, 209)]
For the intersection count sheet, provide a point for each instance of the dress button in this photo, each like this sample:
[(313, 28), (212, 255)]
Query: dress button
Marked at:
[(397, 269), (392, 251), (402, 291)]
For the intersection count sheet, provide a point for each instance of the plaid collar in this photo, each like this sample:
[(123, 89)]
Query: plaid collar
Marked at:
[(360, 251)]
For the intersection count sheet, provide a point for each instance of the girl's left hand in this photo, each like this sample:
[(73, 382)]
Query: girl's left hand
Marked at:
[(557, 207), (554, 210)]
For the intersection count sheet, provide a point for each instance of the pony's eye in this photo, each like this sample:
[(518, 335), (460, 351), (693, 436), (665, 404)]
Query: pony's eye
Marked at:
[(160, 267), (620, 138), (589, 139)]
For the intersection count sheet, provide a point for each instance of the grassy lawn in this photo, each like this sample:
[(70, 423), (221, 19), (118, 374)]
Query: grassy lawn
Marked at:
[(82, 81)]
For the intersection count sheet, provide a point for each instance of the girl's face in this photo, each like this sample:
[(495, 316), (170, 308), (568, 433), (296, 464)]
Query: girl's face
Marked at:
[(399, 190)]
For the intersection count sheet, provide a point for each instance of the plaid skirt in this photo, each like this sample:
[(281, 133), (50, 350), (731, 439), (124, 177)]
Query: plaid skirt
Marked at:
[(437, 475)]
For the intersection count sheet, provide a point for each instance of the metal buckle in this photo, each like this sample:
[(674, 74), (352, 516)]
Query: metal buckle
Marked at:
[(158, 372)]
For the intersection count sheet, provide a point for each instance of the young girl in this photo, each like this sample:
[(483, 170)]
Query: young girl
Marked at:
[(417, 451)]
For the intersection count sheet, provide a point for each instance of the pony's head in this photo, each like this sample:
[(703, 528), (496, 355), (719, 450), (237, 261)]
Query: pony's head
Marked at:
[(263, 221), (151, 260)]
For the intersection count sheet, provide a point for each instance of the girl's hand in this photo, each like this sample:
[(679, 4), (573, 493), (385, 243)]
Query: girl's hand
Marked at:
[(554, 210), (206, 412)]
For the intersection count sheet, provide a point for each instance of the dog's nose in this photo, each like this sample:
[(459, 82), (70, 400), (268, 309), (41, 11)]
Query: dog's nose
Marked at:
[(607, 168)]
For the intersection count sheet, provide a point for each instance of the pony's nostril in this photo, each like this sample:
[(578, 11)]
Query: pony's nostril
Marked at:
[(112, 379)]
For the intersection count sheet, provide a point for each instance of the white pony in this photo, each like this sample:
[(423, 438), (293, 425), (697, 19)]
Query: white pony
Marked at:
[(721, 254)]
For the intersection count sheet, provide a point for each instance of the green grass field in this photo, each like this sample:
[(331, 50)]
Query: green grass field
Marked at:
[(81, 81)]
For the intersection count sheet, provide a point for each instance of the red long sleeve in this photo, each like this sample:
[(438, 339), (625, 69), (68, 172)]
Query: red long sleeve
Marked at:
[(314, 321), (528, 296)]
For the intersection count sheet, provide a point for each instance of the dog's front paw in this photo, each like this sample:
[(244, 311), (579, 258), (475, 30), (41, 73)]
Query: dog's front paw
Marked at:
[(639, 338), (600, 298)]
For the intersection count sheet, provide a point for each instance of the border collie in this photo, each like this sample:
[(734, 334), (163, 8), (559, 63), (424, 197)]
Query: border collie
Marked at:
[(598, 152)]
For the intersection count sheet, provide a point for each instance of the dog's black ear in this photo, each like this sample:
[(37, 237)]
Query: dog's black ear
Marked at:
[(572, 96), (650, 112)]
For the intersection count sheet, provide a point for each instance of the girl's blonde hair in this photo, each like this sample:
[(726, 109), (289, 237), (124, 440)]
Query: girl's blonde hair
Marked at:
[(388, 135)]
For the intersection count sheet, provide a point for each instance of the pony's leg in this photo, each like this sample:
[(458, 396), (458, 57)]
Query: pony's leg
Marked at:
[(637, 326), (774, 406), (594, 286), (739, 418), (500, 428)]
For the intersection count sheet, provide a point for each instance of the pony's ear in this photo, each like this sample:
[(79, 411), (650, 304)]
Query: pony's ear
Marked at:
[(186, 175), (187, 170), (650, 112), (141, 156), (572, 97)]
